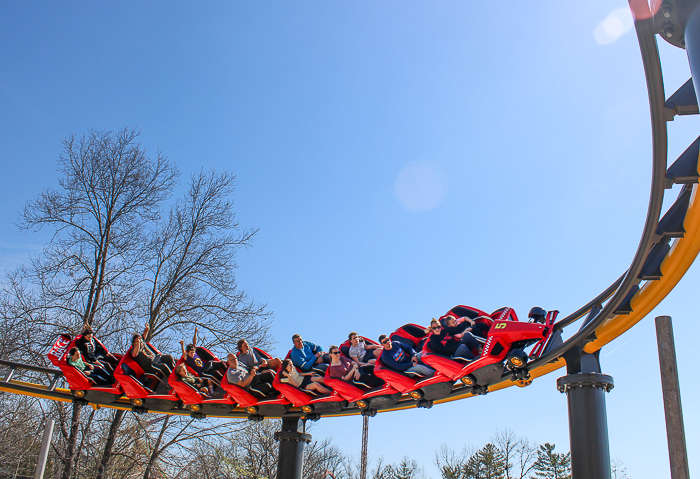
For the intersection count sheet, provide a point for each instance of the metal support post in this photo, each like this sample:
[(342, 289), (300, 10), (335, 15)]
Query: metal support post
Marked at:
[(675, 432), (588, 422), (44, 451), (689, 17), (292, 439)]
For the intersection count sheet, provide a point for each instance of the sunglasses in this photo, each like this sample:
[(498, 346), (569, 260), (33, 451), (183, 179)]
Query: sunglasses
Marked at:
[(386, 341), (335, 352), (435, 328)]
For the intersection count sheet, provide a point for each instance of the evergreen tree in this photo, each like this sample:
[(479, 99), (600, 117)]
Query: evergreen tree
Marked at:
[(487, 463), (552, 465), (407, 469)]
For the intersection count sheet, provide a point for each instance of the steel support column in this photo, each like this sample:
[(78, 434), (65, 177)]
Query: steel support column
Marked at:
[(292, 439), (689, 17), (44, 451), (588, 421)]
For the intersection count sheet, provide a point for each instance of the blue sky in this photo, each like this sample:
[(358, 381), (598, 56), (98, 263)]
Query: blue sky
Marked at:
[(399, 158)]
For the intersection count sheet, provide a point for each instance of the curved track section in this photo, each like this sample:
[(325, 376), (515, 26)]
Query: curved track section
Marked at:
[(667, 248)]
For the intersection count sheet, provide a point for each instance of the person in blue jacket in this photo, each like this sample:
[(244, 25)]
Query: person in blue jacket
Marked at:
[(308, 356), (401, 357)]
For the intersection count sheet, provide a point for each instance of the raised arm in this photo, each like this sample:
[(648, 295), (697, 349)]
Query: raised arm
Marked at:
[(182, 346), (194, 340)]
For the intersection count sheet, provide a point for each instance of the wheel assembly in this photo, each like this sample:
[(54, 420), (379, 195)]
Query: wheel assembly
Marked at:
[(517, 359), (307, 408), (417, 395)]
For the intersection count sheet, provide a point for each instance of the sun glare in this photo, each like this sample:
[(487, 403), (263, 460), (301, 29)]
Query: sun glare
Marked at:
[(421, 185), (611, 28)]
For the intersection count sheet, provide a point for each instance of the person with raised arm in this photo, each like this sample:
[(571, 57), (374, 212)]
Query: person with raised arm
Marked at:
[(193, 360), (150, 361)]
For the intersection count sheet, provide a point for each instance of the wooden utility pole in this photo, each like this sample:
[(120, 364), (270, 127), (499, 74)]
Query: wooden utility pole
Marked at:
[(675, 432)]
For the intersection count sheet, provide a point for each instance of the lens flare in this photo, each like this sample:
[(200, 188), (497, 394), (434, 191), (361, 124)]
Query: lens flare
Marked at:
[(421, 185), (611, 28)]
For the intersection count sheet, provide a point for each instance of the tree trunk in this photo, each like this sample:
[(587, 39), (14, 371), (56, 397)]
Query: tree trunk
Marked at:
[(155, 453), (86, 432), (72, 439), (107, 454)]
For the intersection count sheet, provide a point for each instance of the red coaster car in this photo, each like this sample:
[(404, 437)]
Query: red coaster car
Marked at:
[(145, 390), (503, 348), (313, 405), (194, 400), (367, 399), (272, 405), (80, 384), (424, 390)]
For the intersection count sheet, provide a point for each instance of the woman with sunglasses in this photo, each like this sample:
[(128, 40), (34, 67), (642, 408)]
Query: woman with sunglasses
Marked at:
[(349, 371)]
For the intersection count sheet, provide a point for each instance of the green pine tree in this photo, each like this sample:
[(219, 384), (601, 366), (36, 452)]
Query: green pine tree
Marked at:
[(407, 469), (487, 463), (552, 465)]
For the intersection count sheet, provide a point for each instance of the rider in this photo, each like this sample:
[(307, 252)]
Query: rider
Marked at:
[(307, 355), (403, 358)]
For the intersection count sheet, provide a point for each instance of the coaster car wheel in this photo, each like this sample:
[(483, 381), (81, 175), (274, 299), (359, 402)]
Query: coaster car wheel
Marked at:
[(517, 359), (537, 315), (469, 380), (521, 375), (417, 395), (307, 408)]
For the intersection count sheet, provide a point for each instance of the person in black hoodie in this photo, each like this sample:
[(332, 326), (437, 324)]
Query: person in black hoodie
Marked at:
[(93, 352), (455, 332)]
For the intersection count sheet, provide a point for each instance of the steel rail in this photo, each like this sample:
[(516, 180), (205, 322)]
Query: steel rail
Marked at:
[(655, 88)]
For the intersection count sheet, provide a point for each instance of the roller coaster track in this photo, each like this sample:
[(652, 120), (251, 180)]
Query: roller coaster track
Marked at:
[(667, 248)]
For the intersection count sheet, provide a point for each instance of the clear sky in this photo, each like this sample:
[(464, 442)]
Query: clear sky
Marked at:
[(399, 158)]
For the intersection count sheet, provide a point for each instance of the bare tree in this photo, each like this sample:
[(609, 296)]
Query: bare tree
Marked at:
[(191, 277), (450, 463), (519, 453), (192, 273), (109, 190), (618, 469), (383, 471)]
